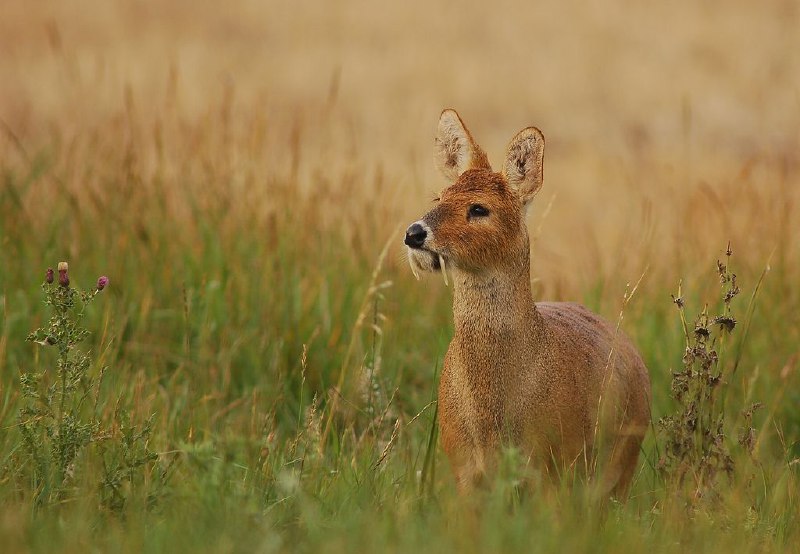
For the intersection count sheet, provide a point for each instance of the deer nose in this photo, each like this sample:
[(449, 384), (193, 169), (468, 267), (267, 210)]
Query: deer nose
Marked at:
[(415, 236)]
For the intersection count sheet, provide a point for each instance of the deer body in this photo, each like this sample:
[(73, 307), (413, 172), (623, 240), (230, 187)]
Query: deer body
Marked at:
[(552, 379)]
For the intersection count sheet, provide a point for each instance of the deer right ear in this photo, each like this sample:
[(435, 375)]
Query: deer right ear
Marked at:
[(524, 165), (456, 150)]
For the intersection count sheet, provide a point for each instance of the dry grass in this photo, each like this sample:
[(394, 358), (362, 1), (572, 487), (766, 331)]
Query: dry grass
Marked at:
[(653, 114)]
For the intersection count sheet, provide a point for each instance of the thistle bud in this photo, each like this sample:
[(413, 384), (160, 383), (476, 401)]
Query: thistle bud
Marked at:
[(63, 278), (49, 275), (102, 282)]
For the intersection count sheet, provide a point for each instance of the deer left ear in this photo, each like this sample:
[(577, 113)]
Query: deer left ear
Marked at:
[(456, 151), (524, 165)]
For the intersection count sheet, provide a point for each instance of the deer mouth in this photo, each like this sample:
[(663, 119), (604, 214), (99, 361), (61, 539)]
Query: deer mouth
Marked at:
[(423, 259)]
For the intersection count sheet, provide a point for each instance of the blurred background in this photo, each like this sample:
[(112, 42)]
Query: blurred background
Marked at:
[(285, 143), (639, 103)]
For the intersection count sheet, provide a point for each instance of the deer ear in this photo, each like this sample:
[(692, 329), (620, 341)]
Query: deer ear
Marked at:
[(456, 150), (524, 165)]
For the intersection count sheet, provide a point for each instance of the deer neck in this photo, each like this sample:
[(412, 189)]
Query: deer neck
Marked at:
[(496, 326), (492, 308)]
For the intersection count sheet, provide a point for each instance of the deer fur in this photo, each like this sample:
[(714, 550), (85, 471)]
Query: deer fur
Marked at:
[(552, 379)]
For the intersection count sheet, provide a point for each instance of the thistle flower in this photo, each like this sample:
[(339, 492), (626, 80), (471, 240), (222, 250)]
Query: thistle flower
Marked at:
[(63, 278), (49, 275), (102, 282)]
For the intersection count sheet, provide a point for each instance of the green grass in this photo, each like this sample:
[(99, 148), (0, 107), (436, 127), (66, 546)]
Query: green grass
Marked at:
[(219, 284)]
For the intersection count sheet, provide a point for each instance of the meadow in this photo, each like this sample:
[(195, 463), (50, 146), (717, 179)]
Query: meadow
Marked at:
[(262, 364)]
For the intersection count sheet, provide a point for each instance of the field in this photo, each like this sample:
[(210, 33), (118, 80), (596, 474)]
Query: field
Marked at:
[(262, 363)]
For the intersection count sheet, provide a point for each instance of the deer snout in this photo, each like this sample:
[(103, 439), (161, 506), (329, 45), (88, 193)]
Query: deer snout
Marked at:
[(415, 236)]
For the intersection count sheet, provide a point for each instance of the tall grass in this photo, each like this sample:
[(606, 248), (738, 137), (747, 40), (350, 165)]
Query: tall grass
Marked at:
[(261, 316)]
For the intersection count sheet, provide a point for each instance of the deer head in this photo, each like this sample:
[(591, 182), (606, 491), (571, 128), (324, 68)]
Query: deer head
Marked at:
[(478, 222)]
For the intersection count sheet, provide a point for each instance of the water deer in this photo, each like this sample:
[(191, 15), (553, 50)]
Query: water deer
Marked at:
[(552, 379)]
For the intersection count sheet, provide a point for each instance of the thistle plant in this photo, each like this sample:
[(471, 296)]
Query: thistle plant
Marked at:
[(696, 449), (60, 416)]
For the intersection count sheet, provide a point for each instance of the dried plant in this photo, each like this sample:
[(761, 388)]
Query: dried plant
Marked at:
[(696, 450)]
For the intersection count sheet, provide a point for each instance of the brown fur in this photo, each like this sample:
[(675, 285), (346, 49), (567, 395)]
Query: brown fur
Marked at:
[(553, 379)]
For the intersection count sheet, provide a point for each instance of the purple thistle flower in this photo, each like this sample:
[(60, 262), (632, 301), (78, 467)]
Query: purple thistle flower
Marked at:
[(102, 282), (49, 275)]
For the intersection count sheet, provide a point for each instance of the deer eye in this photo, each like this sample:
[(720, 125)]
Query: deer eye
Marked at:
[(476, 210)]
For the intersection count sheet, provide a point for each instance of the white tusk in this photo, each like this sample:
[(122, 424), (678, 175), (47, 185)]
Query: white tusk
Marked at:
[(444, 270), (413, 265)]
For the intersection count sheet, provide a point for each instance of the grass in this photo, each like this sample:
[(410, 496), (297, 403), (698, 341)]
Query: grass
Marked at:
[(242, 221)]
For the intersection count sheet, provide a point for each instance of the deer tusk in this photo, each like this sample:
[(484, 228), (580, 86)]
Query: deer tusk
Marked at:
[(413, 263)]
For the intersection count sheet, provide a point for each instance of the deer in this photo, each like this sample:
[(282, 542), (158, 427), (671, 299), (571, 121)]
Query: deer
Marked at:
[(553, 380)]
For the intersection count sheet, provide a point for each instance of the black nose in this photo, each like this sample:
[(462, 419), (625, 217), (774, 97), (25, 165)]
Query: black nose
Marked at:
[(415, 236)]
